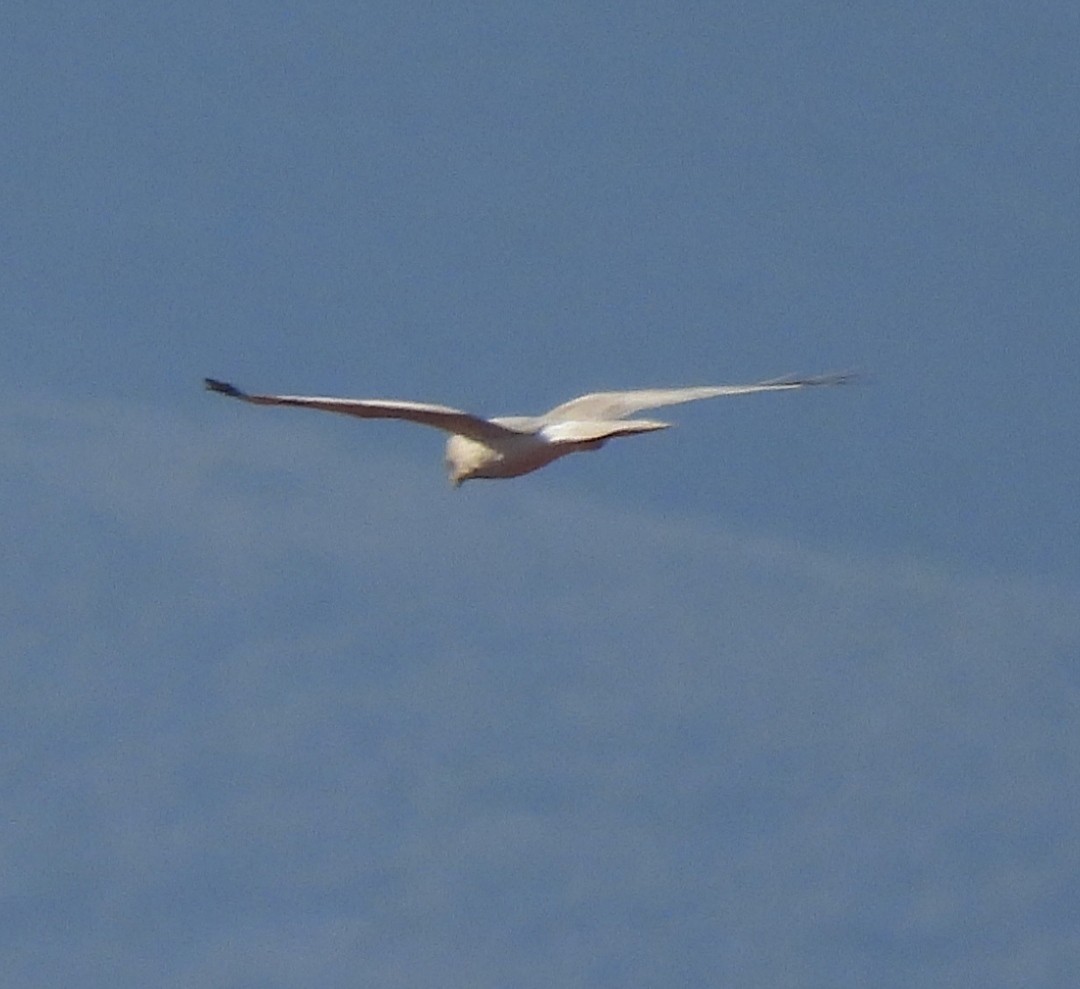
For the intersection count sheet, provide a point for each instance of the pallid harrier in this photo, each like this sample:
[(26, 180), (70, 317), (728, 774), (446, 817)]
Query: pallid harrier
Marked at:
[(514, 445)]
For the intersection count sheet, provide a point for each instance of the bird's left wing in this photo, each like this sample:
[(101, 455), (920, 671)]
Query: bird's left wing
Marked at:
[(616, 404), (439, 416)]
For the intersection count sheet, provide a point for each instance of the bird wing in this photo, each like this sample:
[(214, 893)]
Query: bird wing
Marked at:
[(617, 404), (584, 430), (440, 416)]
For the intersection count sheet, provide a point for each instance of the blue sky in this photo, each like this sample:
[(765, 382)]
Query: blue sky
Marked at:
[(784, 696)]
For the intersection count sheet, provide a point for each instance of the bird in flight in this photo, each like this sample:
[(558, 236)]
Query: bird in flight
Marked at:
[(510, 446)]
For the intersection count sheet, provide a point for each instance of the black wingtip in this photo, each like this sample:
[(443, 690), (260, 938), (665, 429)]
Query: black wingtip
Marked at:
[(807, 381), (835, 378), (222, 388)]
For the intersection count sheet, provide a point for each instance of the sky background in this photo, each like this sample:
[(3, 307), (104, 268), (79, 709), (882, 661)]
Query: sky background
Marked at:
[(786, 696)]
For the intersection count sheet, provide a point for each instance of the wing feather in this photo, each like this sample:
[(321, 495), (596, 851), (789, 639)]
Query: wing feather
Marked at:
[(438, 416), (617, 404)]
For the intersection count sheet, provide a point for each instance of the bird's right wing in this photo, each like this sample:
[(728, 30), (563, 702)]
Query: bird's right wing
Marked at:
[(439, 416), (616, 404)]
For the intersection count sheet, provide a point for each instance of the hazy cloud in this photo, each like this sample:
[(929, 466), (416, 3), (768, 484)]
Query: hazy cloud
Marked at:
[(276, 714)]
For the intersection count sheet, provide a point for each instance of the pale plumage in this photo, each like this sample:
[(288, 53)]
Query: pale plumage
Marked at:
[(513, 445)]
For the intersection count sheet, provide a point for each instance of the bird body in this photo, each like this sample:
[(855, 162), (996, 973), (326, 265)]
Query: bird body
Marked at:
[(510, 446)]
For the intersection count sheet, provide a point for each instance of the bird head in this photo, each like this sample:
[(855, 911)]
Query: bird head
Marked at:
[(466, 458)]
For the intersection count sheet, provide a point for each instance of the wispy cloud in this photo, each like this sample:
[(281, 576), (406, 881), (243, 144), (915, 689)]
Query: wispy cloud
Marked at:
[(277, 702)]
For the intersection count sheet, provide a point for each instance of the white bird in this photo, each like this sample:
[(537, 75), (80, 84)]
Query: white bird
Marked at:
[(514, 445)]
